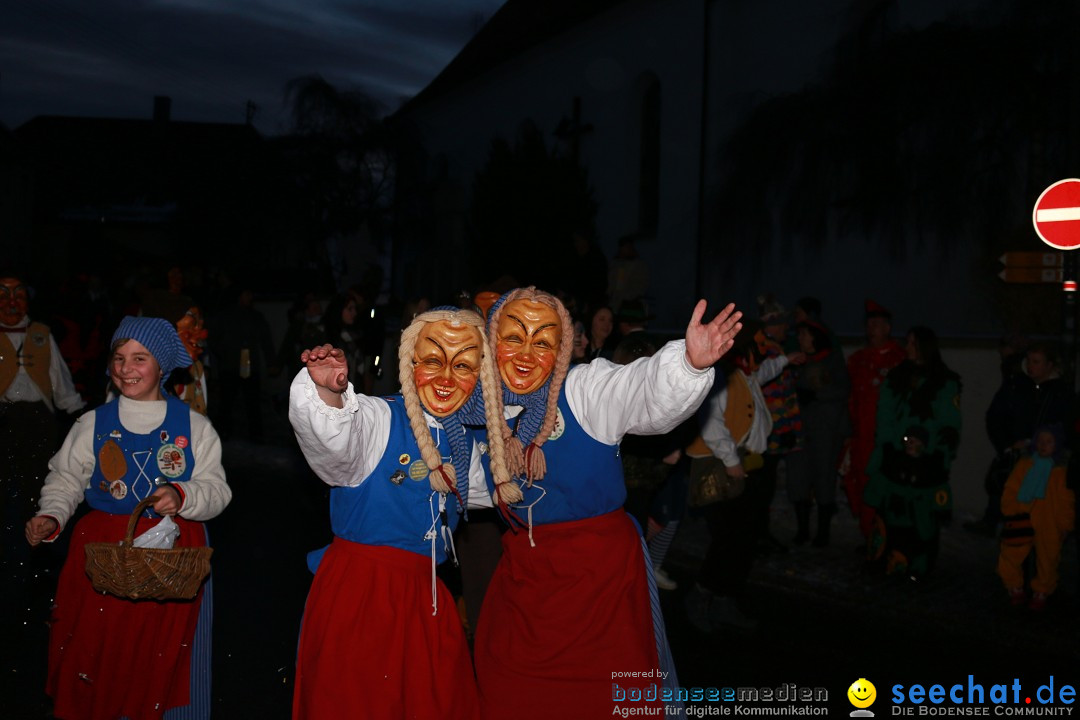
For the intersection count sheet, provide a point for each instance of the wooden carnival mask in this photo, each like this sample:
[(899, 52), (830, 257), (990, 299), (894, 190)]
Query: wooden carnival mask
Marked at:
[(527, 344), (446, 365), (14, 301)]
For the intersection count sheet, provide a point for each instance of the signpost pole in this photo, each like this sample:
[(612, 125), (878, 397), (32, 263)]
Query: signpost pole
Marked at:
[(1068, 314), (1056, 218)]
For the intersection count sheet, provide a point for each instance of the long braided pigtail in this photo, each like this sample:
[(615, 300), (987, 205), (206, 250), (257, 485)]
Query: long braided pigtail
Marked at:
[(515, 457), (506, 492), (535, 463), (443, 477)]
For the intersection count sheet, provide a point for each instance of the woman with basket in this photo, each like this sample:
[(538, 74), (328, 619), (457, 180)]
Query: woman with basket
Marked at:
[(112, 656), (381, 636)]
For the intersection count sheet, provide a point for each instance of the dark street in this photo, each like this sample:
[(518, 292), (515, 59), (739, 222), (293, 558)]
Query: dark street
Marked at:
[(822, 622)]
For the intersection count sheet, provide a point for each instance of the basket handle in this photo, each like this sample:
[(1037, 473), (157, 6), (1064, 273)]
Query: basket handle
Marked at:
[(134, 519)]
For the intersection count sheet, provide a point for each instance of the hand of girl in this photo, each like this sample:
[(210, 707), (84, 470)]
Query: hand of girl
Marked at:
[(38, 528), (168, 501)]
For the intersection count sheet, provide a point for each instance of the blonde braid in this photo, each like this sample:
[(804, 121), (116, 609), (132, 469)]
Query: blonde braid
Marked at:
[(491, 387), (562, 366), (415, 411), (535, 462), (515, 456)]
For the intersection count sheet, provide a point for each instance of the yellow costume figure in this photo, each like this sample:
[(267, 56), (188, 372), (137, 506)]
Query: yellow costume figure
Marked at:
[(1050, 505)]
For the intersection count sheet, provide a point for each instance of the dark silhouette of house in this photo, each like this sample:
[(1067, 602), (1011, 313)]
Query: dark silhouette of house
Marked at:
[(166, 191)]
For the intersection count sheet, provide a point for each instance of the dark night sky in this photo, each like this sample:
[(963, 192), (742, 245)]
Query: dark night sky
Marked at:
[(108, 58)]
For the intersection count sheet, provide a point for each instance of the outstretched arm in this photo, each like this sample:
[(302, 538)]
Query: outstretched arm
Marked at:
[(342, 434), (707, 343)]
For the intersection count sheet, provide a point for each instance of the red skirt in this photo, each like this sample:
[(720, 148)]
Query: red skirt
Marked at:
[(110, 657), (564, 622), (370, 646)]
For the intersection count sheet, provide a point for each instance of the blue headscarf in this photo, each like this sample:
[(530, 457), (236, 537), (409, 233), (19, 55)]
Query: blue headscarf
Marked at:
[(159, 337)]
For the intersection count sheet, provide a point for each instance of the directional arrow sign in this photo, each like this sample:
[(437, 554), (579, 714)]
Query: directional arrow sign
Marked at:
[(1031, 275), (1057, 215), (1032, 259)]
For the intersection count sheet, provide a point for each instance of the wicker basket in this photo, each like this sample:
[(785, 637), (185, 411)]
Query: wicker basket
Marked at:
[(146, 573)]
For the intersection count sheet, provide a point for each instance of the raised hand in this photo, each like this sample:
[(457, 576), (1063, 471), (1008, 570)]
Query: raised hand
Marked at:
[(705, 344), (327, 367)]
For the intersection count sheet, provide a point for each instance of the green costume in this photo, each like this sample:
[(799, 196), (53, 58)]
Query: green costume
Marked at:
[(911, 493)]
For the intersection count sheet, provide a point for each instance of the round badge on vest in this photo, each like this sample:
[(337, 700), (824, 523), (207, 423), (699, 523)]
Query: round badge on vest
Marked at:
[(418, 470), (560, 426), (171, 460)]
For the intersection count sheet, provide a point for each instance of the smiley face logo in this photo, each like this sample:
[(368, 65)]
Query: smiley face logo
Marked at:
[(862, 693)]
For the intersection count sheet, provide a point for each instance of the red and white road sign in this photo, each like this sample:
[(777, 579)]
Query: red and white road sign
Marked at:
[(1057, 215)]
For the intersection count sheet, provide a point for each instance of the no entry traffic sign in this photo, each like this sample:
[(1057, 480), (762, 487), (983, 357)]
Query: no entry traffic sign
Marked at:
[(1057, 215)]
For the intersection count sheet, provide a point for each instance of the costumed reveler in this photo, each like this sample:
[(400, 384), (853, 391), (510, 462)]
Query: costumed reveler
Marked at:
[(918, 433), (572, 599), (192, 388), (867, 369), (381, 636), (111, 657), (35, 384)]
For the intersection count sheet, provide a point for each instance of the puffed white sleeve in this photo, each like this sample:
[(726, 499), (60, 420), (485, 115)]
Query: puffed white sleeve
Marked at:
[(206, 494), (69, 472), (650, 396), (342, 445), (770, 369), (715, 433), (65, 396)]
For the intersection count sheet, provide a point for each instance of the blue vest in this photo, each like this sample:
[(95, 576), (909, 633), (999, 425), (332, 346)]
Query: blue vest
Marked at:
[(395, 506), (164, 453), (584, 476)]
